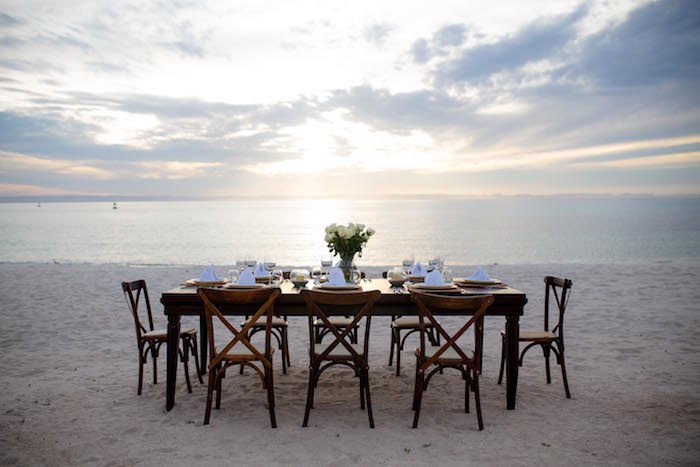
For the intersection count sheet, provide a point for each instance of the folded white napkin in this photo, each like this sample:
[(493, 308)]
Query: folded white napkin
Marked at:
[(246, 277), (260, 270), (419, 270), (434, 278), (336, 277), (209, 275), (479, 275)]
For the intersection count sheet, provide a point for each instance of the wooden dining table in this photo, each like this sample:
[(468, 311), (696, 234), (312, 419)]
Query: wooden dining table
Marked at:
[(184, 301)]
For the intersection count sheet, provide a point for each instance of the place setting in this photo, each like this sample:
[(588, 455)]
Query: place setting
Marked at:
[(479, 279)]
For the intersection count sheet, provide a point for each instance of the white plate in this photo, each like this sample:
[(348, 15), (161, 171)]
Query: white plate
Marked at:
[(435, 287), (197, 282), (338, 287), (473, 282), (243, 286), (415, 279)]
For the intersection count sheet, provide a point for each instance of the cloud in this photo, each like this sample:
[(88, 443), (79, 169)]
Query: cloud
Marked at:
[(15, 189), (21, 162), (378, 33), (665, 161), (542, 39), (657, 43), (174, 170)]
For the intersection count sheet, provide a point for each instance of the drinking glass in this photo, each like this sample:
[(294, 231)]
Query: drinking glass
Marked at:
[(326, 263), (277, 277), (233, 276), (447, 276), (240, 263), (316, 274), (407, 262), (270, 262), (250, 261)]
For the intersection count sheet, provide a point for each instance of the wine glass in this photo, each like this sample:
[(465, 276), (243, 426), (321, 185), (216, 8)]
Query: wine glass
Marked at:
[(240, 263), (270, 262), (316, 274), (407, 262), (326, 263), (277, 277), (233, 276), (447, 276), (250, 261)]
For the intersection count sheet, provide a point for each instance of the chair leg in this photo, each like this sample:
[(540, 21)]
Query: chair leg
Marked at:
[(399, 348), (286, 346), (466, 393), (210, 390), (477, 401), (218, 388), (309, 396), (546, 351), (362, 390), (195, 354), (420, 378), (141, 363), (283, 350), (563, 374), (391, 348), (155, 365), (271, 396), (185, 359), (369, 401), (503, 358)]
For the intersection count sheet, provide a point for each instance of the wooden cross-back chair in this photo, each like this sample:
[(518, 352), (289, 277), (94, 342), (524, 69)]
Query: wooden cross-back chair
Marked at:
[(279, 332), (449, 354), (321, 305), (550, 341), (239, 350), (149, 340)]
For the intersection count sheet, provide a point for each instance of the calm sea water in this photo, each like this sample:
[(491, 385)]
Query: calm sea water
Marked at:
[(484, 231)]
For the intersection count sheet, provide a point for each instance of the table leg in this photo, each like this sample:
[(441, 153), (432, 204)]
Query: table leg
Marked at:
[(203, 343), (512, 335), (173, 338)]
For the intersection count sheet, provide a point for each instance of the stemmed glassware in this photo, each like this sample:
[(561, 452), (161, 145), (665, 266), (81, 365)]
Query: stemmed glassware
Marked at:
[(326, 263), (407, 262), (277, 277), (316, 274), (270, 263), (240, 263), (250, 261)]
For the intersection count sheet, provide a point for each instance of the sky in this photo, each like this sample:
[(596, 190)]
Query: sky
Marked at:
[(319, 98)]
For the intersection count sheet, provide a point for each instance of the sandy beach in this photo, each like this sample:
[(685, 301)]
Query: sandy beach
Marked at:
[(69, 377)]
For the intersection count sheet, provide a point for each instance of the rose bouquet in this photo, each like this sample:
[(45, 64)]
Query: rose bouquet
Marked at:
[(347, 240)]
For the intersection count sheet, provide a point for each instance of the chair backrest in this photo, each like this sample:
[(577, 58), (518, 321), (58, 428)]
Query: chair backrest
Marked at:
[(356, 304), (561, 289), (256, 302), (139, 288), (430, 304)]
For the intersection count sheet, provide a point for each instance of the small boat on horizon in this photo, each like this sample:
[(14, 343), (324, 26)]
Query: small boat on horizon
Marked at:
[(114, 205)]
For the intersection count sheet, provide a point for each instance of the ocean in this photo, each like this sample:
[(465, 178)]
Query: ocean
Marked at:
[(506, 230)]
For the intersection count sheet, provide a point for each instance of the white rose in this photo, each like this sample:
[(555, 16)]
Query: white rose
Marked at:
[(360, 227), (344, 232), (332, 228), (351, 227), (329, 237), (370, 231)]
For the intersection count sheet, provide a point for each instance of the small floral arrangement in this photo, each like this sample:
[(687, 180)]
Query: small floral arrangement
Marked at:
[(346, 240)]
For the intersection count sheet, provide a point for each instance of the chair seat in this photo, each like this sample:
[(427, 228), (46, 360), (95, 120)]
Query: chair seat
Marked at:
[(162, 334), (339, 350), (449, 355), (262, 321), (529, 335), (408, 322), (337, 321), (241, 352)]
